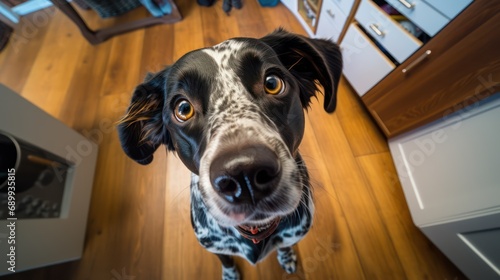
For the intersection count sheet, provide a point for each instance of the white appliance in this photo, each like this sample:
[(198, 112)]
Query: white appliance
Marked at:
[(46, 183)]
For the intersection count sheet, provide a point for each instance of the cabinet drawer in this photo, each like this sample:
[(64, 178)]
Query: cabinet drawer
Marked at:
[(344, 5), (364, 64), (392, 36), (331, 21), (327, 30), (450, 8), (422, 14)]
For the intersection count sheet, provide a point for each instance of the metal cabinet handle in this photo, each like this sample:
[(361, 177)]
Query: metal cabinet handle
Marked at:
[(375, 29), (407, 4), (330, 13), (416, 61)]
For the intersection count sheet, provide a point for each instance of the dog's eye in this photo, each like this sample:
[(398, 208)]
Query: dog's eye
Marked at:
[(183, 110), (274, 85)]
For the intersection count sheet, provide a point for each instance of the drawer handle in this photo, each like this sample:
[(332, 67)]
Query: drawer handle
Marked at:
[(416, 61), (375, 29), (330, 13), (407, 4)]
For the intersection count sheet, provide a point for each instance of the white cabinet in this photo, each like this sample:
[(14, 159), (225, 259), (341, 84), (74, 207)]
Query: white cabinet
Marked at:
[(450, 173), (333, 18), (290, 4), (473, 244), (321, 18), (387, 32), (430, 17), (450, 8), (422, 14), (364, 63)]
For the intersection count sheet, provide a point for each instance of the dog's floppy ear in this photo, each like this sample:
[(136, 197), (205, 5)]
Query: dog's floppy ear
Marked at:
[(141, 130), (309, 60)]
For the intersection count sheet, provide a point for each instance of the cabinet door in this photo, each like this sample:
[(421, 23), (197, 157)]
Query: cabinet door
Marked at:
[(449, 174), (463, 67), (331, 21), (472, 244), (449, 169)]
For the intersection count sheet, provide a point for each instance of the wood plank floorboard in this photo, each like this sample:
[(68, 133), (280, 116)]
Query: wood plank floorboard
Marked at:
[(139, 224)]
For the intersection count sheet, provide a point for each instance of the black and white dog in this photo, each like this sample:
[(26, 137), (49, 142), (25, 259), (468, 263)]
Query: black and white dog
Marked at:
[(234, 115)]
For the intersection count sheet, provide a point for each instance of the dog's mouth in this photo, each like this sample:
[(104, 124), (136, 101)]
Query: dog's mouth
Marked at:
[(260, 232)]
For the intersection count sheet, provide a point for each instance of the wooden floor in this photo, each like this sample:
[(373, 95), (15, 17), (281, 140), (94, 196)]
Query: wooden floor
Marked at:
[(139, 227)]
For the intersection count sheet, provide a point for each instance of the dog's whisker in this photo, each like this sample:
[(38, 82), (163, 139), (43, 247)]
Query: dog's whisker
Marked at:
[(290, 68)]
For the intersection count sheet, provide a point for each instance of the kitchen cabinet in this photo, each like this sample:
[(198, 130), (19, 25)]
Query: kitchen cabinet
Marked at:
[(306, 12), (434, 93), (459, 66), (333, 18), (357, 50), (388, 33), (428, 72), (323, 18), (449, 173)]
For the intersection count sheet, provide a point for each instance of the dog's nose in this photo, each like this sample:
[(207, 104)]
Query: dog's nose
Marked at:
[(245, 175)]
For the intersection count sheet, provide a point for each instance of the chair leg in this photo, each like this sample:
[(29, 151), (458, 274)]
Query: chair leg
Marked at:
[(70, 12), (100, 35)]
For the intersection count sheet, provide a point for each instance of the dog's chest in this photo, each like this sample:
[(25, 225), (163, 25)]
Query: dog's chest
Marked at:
[(228, 241)]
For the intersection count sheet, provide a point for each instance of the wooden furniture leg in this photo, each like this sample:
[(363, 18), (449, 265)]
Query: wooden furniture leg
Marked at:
[(101, 35)]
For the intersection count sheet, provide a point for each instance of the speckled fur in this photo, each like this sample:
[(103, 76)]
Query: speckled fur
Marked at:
[(235, 118), (225, 85)]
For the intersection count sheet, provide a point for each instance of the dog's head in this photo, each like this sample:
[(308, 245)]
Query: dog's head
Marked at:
[(234, 115)]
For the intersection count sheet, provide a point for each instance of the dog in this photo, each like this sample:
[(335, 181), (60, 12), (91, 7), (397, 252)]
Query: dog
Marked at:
[(234, 114)]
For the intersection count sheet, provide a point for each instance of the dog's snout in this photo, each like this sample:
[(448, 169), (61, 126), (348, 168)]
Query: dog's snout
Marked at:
[(245, 175)]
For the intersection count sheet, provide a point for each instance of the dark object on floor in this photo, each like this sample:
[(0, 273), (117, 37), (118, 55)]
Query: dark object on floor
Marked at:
[(5, 32), (206, 3), (227, 5), (100, 35)]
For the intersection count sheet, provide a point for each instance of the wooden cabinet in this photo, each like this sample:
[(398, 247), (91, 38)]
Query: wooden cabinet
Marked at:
[(457, 67)]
